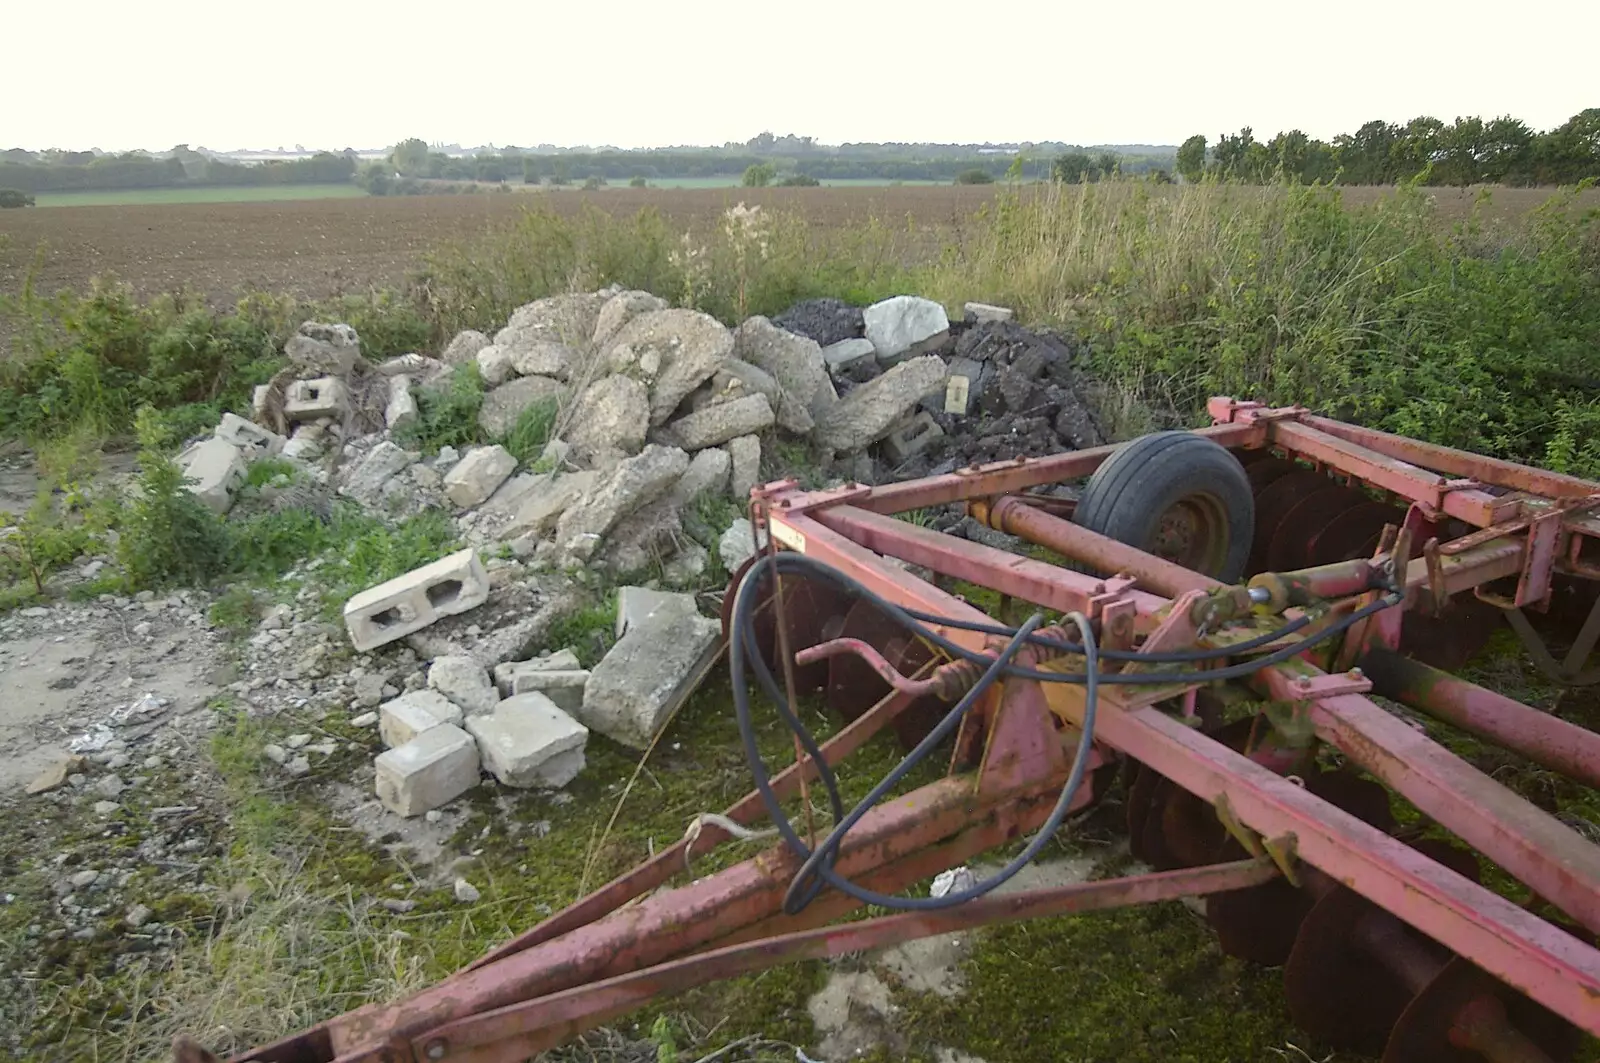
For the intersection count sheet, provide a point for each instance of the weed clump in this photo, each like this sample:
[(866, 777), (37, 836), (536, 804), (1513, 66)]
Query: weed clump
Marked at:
[(168, 536)]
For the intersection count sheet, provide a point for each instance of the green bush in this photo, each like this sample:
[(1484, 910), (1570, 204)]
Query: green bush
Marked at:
[(759, 175), (974, 177), (167, 536), (447, 413), (799, 180), (11, 198), (528, 436)]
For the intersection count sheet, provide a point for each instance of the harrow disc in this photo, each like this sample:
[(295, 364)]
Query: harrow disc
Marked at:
[(813, 612), (1354, 533), (1291, 545), (1273, 503), (853, 687), (1423, 1029)]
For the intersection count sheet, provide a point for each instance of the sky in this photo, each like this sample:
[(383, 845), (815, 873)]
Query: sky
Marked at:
[(229, 74)]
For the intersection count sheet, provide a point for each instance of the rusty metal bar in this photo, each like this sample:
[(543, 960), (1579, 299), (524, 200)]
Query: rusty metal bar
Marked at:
[(1391, 474), (1516, 946), (1009, 477), (1021, 577), (1010, 514), (514, 1033), (1547, 741), (1460, 463)]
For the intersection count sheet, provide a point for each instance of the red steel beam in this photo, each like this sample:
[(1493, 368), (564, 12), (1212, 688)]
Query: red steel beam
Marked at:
[(1010, 477), (1392, 474), (507, 1035), (1542, 738), (1553, 967)]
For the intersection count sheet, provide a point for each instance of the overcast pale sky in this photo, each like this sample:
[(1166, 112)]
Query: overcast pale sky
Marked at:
[(119, 74)]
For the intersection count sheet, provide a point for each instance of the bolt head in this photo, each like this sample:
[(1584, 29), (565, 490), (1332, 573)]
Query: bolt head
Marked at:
[(436, 1050)]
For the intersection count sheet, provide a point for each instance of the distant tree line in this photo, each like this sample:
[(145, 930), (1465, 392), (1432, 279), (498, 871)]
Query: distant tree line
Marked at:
[(1467, 151), (85, 171)]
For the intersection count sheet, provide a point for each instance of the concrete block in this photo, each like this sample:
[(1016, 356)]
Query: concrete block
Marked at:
[(367, 480), (522, 738), (307, 400), (981, 312), (737, 545), (402, 408), (464, 681), (904, 327), (912, 437), (745, 474), (724, 421), (403, 718), (542, 507), (433, 769), (562, 686), (647, 674), (635, 604), (393, 610), (260, 399), (217, 469), (477, 476), (842, 355), (252, 440), (560, 661)]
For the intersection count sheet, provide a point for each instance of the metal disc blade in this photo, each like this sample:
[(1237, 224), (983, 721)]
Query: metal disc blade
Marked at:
[(1273, 503), (1353, 533), (1291, 543)]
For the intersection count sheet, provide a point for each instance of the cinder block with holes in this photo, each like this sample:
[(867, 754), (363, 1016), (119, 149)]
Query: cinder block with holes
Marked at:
[(307, 400), (912, 437), (252, 440), (393, 610)]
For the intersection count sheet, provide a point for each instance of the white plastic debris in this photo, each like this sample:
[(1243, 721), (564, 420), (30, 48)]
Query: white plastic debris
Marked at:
[(956, 880)]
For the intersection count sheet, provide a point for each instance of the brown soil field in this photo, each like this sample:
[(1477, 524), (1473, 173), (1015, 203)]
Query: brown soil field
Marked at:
[(314, 248)]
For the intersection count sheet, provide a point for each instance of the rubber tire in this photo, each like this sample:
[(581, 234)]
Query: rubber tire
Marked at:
[(1128, 493)]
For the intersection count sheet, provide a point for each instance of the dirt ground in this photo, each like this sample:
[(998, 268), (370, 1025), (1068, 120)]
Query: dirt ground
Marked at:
[(316, 248)]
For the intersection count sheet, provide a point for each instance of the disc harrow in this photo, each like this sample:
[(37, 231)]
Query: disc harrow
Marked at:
[(1256, 769)]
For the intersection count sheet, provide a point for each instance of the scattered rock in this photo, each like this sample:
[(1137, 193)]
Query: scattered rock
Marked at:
[(528, 741), (401, 411), (504, 405), (466, 892), (707, 475), (478, 475), (619, 310), (722, 422), (494, 365), (871, 410), (465, 682), (846, 353), (402, 719), (55, 774), (137, 916), (275, 753), (905, 326), (635, 483), (434, 768), (542, 507), (737, 545), (568, 319), (105, 808), (382, 463), (744, 453), (297, 741), (647, 674), (297, 767), (687, 345), (84, 878), (984, 312), (794, 361), (396, 904), (110, 786), (366, 719), (610, 419), (543, 358), (465, 347), (324, 349), (827, 321)]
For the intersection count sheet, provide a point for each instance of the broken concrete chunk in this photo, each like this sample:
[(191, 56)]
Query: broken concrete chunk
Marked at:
[(433, 769), (308, 400), (465, 682), (647, 674), (560, 661), (562, 686), (420, 368), (465, 347), (737, 545), (403, 718), (541, 507), (521, 740), (869, 412), (260, 399), (725, 420), (911, 438), (330, 349), (904, 327), (635, 605), (736, 379), (846, 353), (543, 358), (688, 347), (217, 469), (744, 476), (252, 440), (980, 312), (503, 406), (366, 481), (393, 610), (55, 774), (707, 475), (610, 419), (494, 365), (478, 475), (401, 410), (634, 483), (795, 361), (568, 318), (619, 310)]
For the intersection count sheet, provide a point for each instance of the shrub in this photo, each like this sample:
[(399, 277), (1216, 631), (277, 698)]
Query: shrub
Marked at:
[(447, 414), (12, 198), (638, 182), (528, 436), (759, 175), (974, 177), (799, 180), (593, 183), (168, 536)]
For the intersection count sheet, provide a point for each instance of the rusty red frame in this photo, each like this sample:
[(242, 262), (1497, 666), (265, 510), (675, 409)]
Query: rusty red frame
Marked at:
[(618, 948)]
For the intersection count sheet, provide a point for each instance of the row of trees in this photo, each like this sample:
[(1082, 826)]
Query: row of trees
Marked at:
[(182, 167), (1467, 151)]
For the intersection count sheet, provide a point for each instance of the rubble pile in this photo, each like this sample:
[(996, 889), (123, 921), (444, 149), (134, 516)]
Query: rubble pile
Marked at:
[(658, 409)]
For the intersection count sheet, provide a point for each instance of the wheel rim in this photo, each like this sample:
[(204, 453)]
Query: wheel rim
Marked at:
[(1193, 532)]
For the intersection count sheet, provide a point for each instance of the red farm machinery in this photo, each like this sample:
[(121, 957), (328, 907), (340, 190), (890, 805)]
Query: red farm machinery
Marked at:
[(1228, 600)]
